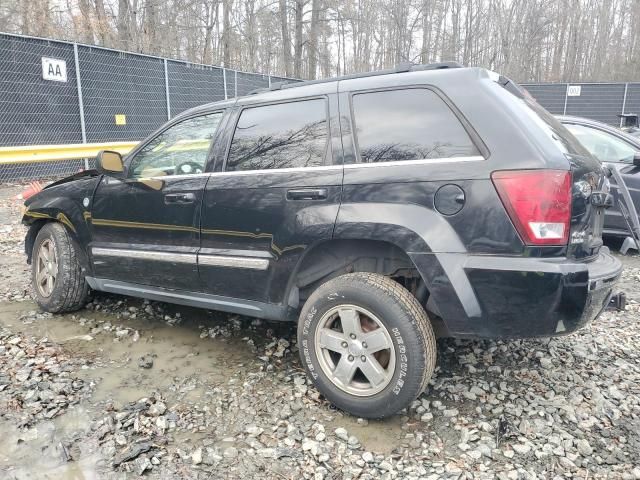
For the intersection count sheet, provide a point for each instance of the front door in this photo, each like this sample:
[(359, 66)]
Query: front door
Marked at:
[(278, 194), (145, 227)]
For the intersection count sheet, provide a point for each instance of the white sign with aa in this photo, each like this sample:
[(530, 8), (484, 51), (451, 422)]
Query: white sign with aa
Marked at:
[(54, 69)]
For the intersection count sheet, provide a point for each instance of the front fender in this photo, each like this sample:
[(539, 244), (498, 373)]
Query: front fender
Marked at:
[(61, 203)]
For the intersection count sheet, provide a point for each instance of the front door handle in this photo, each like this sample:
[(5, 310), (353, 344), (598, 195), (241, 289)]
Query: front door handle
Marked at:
[(179, 198), (307, 194)]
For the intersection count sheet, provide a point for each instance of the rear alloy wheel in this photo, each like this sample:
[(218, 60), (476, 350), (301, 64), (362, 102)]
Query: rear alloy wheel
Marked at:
[(355, 350), (367, 344)]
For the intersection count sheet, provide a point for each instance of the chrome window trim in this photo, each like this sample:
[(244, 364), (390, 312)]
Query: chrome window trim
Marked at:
[(233, 262), (282, 170), (420, 161), (190, 258), (249, 172)]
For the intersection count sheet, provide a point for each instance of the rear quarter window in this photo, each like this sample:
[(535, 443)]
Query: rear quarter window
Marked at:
[(557, 132), (407, 124)]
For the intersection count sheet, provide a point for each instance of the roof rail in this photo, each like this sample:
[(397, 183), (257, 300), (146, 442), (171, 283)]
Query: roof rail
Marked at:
[(400, 68)]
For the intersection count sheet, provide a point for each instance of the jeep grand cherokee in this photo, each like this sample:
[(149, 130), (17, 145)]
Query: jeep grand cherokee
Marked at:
[(377, 210)]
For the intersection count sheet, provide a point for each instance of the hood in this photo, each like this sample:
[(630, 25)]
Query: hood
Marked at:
[(75, 176)]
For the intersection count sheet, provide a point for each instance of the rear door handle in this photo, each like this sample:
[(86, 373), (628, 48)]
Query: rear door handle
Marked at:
[(179, 198), (307, 194)]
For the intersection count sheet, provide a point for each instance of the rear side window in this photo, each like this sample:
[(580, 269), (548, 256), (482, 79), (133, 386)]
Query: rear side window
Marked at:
[(409, 124), (285, 135), (557, 132)]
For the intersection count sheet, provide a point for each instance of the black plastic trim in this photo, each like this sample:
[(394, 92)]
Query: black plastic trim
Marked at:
[(191, 299)]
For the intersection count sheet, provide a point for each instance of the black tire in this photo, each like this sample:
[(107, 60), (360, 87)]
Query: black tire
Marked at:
[(404, 318), (70, 289)]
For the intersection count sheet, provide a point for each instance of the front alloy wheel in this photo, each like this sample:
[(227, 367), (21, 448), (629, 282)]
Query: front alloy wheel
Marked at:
[(57, 275), (46, 268)]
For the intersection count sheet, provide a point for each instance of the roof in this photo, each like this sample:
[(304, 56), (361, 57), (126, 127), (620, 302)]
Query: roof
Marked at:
[(266, 93)]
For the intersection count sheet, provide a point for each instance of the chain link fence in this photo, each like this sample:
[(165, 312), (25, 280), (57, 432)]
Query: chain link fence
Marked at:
[(60, 93), (604, 102)]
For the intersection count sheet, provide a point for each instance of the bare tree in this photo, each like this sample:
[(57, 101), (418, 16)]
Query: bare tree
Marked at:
[(528, 40)]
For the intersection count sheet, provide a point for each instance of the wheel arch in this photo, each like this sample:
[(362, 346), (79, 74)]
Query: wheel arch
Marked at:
[(331, 258), (64, 212)]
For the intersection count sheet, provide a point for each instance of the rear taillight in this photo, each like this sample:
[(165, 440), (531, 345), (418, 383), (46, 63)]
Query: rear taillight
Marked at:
[(538, 203)]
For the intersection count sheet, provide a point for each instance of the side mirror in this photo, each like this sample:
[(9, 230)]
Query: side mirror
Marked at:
[(109, 162), (636, 159)]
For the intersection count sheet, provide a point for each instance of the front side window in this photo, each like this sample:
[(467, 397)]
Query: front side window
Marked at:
[(409, 124), (602, 145), (182, 149), (284, 135)]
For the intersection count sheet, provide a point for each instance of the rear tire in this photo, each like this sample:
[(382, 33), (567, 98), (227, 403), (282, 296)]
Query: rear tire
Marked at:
[(57, 276), (376, 361)]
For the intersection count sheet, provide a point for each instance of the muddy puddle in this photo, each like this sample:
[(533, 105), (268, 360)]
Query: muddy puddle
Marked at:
[(185, 369), (42, 452), (181, 361), (377, 436)]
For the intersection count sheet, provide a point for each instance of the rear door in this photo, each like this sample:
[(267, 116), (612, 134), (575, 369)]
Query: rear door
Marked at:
[(277, 193), (146, 227)]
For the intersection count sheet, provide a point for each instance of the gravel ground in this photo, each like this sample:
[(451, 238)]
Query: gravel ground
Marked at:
[(127, 387)]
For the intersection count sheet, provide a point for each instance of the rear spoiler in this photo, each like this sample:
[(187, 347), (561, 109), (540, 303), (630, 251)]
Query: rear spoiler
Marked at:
[(509, 85)]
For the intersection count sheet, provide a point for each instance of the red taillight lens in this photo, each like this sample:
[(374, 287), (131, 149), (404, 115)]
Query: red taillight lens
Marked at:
[(538, 203)]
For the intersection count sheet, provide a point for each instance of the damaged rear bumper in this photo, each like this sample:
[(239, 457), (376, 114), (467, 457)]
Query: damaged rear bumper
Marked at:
[(516, 297)]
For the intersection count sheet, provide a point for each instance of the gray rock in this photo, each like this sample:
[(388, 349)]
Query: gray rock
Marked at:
[(131, 452), (142, 464), (157, 409), (368, 457), (196, 456), (546, 363), (341, 433), (145, 361), (230, 452), (584, 447), (521, 448), (254, 430), (353, 441)]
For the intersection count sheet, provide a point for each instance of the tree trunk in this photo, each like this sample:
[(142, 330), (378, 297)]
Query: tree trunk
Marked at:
[(124, 27), (286, 40), (297, 53), (313, 39), (86, 30), (226, 33), (102, 26)]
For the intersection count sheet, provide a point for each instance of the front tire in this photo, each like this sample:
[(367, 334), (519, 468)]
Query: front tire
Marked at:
[(57, 276), (367, 344)]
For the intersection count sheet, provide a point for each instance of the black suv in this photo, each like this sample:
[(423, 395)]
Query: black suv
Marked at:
[(375, 210)]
